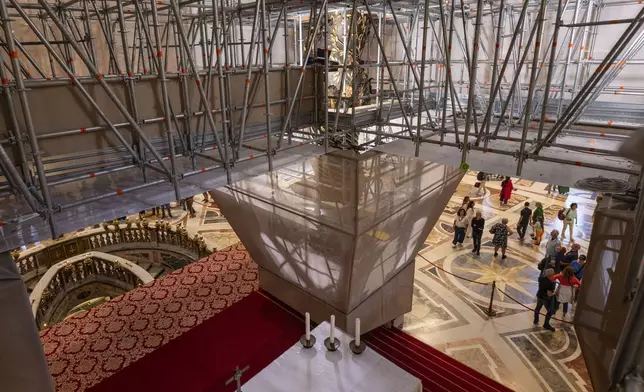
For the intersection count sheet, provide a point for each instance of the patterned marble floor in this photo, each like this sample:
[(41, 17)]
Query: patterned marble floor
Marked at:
[(448, 312)]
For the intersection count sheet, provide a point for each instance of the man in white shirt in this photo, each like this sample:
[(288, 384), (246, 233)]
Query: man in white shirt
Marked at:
[(570, 219)]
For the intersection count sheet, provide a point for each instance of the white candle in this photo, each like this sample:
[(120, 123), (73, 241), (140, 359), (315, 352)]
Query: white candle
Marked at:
[(357, 332), (332, 335), (307, 320)]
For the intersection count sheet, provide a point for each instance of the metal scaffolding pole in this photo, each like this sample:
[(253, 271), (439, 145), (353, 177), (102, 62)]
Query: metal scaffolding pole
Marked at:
[(533, 81), (309, 49), (602, 69), (422, 72), (48, 213), (223, 155), (487, 120), (411, 64), (473, 70), (267, 105), (99, 77), (221, 81), (551, 67), (389, 71), (248, 81)]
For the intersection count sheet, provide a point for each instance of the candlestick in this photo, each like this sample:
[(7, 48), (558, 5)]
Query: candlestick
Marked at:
[(356, 345), (307, 340), (307, 320), (331, 343), (357, 332)]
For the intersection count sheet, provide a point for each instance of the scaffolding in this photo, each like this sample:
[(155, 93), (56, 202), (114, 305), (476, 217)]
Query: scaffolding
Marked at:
[(153, 101)]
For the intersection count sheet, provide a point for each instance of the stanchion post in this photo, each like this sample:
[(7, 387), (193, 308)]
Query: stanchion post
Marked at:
[(491, 312)]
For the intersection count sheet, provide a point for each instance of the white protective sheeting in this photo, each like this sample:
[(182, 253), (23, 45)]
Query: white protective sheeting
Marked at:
[(318, 370)]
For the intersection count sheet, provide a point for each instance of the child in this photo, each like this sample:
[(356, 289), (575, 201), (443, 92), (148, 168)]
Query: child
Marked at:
[(538, 230)]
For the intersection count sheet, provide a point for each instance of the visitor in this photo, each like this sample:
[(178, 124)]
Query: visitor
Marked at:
[(566, 291), (550, 189), (560, 259), (524, 220), (501, 232), (536, 214), (506, 190), (466, 202), (538, 231), (573, 254), (569, 218), (164, 208), (552, 244), (477, 224), (544, 298), (578, 267), (460, 226), (189, 205), (481, 177), (469, 213)]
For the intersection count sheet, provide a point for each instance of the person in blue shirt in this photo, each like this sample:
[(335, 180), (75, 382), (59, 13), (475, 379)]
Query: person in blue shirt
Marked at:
[(578, 266)]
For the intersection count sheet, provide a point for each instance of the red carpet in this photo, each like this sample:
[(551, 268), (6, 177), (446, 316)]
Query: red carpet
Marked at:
[(436, 370), (254, 332)]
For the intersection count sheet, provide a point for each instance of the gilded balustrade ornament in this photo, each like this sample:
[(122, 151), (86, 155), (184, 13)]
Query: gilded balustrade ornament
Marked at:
[(113, 233)]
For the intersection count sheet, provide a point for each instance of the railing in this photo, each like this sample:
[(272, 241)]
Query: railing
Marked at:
[(78, 271), (490, 311), (36, 262)]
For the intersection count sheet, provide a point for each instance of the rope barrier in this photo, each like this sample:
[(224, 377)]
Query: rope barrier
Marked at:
[(532, 310), (447, 272), (490, 310)]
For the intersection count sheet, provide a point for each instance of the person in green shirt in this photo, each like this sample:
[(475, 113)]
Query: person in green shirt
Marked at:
[(536, 215)]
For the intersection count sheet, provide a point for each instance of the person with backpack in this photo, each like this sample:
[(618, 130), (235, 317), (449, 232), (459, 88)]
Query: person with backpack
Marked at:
[(569, 218), (506, 190), (524, 220), (578, 267), (566, 291), (481, 179)]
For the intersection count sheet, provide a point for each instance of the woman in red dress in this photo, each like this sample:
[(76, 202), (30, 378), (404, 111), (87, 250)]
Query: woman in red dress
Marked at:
[(506, 190)]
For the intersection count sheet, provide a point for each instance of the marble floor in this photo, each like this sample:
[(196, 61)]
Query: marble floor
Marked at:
[(449, 312)]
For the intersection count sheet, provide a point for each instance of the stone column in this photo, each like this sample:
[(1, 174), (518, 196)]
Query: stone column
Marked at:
[(23, 366)]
